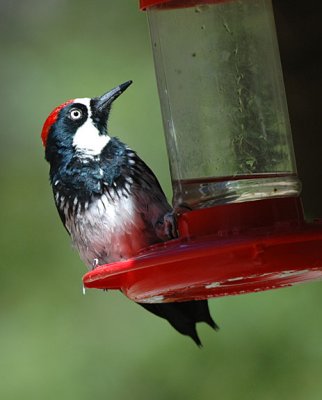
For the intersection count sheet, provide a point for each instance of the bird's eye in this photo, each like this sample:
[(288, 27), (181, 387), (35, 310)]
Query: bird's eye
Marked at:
[(75, 114)]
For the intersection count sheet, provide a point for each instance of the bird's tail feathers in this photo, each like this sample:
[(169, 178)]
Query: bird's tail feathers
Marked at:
[(184, 316)]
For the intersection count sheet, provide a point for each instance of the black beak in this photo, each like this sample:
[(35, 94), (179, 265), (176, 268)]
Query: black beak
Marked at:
[(103, 102)]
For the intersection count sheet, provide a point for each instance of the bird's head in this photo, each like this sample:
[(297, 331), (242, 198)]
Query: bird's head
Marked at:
[(79, 125)]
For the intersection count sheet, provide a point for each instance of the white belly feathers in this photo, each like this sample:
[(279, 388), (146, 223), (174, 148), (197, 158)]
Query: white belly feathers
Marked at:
[(107, 231)]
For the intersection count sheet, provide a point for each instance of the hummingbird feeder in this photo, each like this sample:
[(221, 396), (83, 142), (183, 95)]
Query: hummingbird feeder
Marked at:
[(235, 187)]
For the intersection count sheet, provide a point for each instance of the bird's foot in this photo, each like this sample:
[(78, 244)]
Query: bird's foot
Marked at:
[(170, 225), (166, 227)]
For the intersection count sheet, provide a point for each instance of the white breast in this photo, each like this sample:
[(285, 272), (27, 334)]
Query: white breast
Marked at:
[(108, 231)]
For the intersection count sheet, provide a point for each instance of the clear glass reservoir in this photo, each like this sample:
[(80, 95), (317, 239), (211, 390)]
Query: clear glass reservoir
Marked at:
[(223, 101), (229, 143)]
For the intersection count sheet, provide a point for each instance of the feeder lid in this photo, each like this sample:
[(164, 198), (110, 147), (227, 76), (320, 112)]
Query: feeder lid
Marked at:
[(223, 250), (176, 3)]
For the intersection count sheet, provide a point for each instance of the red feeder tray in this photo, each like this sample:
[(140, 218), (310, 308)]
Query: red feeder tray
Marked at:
[(238, 247), (223, 250)]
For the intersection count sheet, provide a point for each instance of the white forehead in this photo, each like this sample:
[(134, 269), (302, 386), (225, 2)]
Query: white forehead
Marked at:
[(86, 101)]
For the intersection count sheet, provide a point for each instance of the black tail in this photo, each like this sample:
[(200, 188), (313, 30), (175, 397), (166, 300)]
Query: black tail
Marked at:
[(183, 316)]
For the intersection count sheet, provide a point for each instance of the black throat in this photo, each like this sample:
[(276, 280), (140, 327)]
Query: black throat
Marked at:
[(84, 178)]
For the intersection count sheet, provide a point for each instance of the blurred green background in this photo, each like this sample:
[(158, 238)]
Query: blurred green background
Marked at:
[(56, 343)]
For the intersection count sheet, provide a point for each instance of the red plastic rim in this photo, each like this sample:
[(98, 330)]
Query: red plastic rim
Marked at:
[(202, 269), (144, 4), (276, 249)]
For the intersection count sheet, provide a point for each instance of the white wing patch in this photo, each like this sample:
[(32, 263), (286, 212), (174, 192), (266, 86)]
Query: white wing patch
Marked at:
[(87, 140)]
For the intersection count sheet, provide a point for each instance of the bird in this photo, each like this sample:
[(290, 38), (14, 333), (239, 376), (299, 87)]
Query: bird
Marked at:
[(109, 200)]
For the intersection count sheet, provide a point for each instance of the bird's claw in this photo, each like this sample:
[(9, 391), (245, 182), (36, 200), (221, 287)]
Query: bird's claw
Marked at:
[(166, 227)]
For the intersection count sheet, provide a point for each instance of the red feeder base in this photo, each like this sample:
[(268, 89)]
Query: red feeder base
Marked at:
[(223, 250)]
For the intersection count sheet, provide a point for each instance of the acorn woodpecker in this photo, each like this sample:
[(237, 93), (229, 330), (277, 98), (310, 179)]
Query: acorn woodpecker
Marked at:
[(108, 199)]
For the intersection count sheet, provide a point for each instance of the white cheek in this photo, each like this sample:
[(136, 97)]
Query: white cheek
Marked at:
[(87, 139)]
